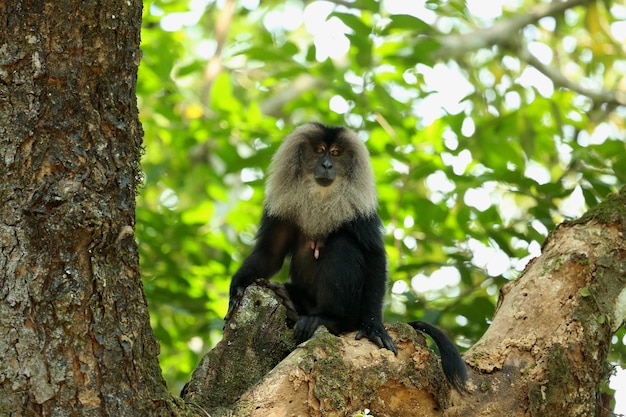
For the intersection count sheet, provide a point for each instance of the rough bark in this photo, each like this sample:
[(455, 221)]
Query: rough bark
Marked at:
[(543, 355), (545, 351), (327, 376), (255, 341), (75, 336)]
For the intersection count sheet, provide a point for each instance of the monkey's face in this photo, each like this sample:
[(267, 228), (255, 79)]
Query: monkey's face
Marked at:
[(325, 170), (319, 178)]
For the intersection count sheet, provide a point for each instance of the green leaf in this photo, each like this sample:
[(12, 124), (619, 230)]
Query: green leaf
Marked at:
[(360, 28), (405, 22)]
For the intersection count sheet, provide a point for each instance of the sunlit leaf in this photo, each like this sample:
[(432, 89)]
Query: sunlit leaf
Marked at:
[(405, 22)]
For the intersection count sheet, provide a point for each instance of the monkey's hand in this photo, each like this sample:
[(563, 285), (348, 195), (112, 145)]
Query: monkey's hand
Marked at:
[(236, 293), (376, 333)]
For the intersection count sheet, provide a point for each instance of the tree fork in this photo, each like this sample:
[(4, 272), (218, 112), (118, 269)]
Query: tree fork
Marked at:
[(544, 353)]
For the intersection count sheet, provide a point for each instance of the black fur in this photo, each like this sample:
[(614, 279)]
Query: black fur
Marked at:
[(342, 289), (451, 361)]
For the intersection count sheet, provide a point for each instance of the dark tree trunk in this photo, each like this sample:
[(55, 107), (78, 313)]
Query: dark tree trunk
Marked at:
[(75, 337)]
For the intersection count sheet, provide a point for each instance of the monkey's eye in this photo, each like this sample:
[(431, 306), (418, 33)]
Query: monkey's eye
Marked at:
[(319, 149), (335, 150)]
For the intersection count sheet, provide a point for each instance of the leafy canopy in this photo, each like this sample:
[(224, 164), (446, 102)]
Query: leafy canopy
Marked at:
[(486, 128)]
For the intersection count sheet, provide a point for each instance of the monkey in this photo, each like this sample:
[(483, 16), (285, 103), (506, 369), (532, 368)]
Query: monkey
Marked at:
[(320, 211)]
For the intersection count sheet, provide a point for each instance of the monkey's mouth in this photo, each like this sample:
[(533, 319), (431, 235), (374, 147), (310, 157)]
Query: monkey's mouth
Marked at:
[(323, 181)]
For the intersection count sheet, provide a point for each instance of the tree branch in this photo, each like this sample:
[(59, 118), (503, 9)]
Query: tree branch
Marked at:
[(560, 80), (506, 34), (501, 33)]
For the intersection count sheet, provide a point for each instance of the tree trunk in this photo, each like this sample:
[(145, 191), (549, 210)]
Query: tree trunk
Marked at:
[(75, 336), (543, 355)]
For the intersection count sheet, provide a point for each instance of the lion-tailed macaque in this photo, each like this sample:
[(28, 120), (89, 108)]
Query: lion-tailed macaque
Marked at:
[(320, 211)]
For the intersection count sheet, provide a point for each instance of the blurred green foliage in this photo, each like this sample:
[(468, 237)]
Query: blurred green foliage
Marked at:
[(477, 155)]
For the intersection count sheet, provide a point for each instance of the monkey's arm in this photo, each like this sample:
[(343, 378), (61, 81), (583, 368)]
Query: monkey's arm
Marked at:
[(369, 234), (274, 241)]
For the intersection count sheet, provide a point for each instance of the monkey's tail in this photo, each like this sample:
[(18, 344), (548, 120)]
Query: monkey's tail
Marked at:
[(451, 361)]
